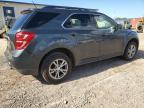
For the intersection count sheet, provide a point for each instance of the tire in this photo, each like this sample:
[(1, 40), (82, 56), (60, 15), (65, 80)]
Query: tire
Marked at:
[(129, 50), (51, 69), (140, 29)]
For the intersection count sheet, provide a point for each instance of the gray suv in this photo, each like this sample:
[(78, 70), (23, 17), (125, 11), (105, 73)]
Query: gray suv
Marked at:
[(53, 40)]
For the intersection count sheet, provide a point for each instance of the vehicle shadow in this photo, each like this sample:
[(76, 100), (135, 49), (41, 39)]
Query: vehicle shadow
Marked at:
[(97, 67)]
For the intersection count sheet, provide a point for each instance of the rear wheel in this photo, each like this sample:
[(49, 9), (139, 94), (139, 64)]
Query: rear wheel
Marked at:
[(56, 67), (131, 50)]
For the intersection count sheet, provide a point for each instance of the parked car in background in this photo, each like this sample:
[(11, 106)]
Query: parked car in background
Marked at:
[(53, 40)]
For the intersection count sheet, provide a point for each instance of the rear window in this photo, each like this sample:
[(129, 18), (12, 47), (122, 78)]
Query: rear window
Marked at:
[(40, 18), (20, 21)]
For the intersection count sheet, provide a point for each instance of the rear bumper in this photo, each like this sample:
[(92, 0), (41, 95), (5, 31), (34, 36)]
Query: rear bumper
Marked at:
[(25, 65)]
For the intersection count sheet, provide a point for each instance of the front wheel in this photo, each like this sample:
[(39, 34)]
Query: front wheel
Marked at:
[(56, 67), (131, 50)]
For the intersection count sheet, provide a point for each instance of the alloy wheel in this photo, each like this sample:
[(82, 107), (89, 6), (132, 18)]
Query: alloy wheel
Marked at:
[(58, 69), (131, 51)]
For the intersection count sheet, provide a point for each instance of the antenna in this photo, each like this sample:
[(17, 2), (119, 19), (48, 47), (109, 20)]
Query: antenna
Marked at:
[(34, 4)]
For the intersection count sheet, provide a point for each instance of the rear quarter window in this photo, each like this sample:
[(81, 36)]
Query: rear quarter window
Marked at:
[(40, 18)]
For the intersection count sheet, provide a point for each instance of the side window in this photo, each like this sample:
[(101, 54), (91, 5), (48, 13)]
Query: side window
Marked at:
[(80, 21), (103, 22)]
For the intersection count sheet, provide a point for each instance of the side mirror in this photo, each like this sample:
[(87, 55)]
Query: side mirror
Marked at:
[(119, 26), (112, 29)]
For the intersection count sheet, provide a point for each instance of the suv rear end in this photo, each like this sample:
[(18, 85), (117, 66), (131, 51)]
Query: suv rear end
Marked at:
[(24, 38)]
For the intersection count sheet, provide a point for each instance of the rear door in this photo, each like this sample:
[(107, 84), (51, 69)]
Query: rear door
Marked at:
[(82, 27)]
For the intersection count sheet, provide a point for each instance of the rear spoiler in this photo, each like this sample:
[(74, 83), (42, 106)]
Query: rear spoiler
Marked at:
[(28, 11)]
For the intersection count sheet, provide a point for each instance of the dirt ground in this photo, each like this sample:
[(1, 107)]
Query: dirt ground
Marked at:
[(113, 83)]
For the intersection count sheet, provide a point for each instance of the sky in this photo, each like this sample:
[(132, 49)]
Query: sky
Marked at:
[(113, 8)]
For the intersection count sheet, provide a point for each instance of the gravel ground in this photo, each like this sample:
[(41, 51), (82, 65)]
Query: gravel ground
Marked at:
[(112, 83)]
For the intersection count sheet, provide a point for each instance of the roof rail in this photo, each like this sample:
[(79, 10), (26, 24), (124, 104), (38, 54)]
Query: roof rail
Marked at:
[(70, 8)]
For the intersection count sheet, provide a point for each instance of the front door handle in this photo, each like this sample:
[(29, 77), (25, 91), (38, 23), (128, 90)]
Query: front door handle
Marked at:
[(73, 34), (104, 35)]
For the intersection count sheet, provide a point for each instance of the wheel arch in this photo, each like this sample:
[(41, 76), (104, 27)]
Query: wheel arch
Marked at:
[(62, 50), (134, 40), (131, 40)]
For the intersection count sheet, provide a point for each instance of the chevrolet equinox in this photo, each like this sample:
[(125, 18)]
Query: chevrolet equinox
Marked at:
[(52, 40)]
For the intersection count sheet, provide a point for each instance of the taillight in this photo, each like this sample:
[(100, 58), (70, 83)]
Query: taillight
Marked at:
[(22, 39)]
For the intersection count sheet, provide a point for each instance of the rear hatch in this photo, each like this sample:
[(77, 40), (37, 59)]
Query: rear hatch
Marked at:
[(28, 21), (10, 35)]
